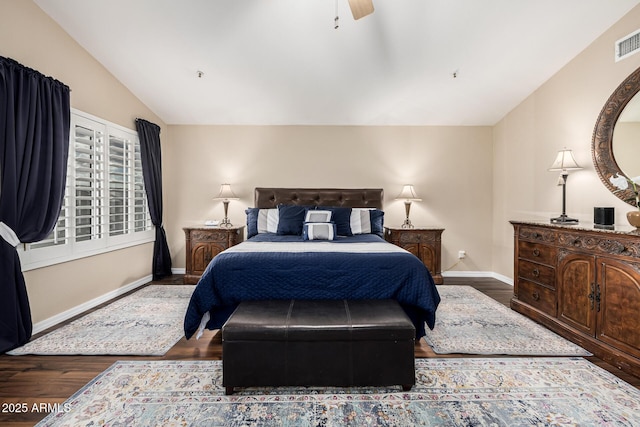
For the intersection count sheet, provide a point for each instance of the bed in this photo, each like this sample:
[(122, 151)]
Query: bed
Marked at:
[(286, 257)]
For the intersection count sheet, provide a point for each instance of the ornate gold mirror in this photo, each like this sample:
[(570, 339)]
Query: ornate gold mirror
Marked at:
[(616, 137)]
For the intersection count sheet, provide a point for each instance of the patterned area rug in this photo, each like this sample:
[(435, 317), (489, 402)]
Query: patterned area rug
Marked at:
[(449, 392), (468, 321), (148, 322)]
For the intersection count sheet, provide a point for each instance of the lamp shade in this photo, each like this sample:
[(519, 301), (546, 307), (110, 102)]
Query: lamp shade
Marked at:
[(564, 161), (408, 193), (226, 193)]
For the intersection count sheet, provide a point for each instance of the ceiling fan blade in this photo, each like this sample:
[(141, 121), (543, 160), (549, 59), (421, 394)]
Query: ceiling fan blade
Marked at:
[(361, 8)]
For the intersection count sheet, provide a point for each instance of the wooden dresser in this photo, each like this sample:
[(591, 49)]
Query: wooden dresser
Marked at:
[(203, 244), (425, 243), (584, 284)]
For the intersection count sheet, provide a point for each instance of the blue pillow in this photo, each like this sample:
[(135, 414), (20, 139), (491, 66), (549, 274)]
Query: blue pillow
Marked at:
[(291, 218), (341, 217), (377, 222), (252, 221)]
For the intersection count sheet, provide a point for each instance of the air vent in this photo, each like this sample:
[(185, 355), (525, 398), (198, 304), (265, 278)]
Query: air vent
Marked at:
[(628, 46)]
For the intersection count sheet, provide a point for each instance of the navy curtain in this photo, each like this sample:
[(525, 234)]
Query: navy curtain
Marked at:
[(34, 146), (149, 134)]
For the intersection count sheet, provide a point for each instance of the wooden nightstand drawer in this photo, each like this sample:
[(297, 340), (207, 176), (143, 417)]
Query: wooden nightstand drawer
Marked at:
[(417, 237), (213, 235), (538, 296), (539, 273), (537, 252)]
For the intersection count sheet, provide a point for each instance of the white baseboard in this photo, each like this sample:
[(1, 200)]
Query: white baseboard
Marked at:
[(66, 315), (502, 278), (491, 274), (178, 270)]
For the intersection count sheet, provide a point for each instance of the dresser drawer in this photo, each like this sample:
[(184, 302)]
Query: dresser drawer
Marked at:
[(539, 273), (537, 252), (537, 296)]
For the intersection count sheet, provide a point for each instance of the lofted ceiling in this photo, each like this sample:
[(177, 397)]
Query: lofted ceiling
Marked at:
[(262, 62)]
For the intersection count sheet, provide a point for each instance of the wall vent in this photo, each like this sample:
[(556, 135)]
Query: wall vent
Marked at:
[(627, 46)]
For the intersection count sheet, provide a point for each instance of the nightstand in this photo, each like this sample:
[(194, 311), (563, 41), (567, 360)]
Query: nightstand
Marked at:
[(203, 244), (423, 242)]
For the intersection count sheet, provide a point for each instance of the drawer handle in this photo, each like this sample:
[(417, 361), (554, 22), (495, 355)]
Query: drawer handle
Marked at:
[(536, 272), (536, 252), (536, 295)]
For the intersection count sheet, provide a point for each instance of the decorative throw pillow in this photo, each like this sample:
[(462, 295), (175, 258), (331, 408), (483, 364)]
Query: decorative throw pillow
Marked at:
[(291, 218), (261, 221), (318, 231), (317, 216), (341, 217), (377, 222), (367, 221)]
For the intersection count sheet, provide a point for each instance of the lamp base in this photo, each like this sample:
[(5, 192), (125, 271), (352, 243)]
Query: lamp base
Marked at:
[(407, 209), (225, 222), (407, 223), (563, 219)]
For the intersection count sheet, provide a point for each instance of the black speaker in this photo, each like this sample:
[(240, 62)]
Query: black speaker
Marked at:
[(603, 216)]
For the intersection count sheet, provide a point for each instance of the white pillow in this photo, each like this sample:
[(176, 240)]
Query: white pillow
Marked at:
[(317, 216)]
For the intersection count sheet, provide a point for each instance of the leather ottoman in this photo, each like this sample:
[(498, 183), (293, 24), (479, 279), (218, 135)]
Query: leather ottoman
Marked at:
[(318, 343)]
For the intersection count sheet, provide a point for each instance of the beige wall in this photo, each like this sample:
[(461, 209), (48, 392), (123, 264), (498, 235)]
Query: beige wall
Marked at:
[(472, 180), (30, 37), (562, 112), (450, 168)]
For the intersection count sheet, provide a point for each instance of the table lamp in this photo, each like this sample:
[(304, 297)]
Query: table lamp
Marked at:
[(564, 163), (226, 194), (408, 194)]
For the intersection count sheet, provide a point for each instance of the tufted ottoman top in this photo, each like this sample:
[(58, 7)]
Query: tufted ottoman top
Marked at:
[(319, 320)]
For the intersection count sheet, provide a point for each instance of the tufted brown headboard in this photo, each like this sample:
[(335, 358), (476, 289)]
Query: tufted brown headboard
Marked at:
[(348, 197)]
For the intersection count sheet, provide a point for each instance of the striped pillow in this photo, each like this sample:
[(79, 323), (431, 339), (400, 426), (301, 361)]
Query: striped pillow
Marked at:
[(318, 231), (261, 221), (366, 221)]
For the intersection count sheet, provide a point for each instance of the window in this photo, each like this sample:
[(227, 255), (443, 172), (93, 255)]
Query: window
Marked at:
[(105, 204), (87, 180)]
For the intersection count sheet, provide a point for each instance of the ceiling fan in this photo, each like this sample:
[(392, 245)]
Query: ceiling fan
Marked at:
[(361, 8)]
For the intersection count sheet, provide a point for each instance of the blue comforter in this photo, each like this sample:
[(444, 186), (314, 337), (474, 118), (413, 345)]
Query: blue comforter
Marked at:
[(258, 269)]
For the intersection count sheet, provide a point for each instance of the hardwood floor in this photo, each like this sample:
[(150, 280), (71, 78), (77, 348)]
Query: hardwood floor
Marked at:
[(52, 379)]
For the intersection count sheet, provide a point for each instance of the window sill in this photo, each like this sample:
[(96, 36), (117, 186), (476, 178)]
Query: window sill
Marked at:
[(28, 264)]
